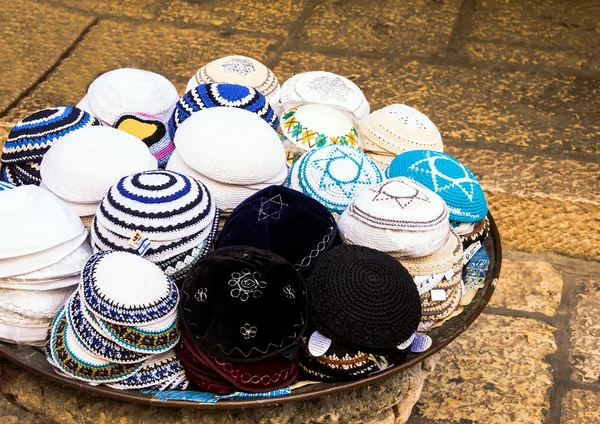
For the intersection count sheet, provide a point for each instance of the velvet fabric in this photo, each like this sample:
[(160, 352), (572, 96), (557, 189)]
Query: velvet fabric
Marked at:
[(244, 304), (285, 222)]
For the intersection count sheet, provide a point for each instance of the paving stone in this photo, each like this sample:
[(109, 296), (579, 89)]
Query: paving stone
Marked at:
[(174, 53), (580, 407), (407, 27), (585, 331), (538, 111), (250, 15), (493, 373), (11, 414), (144, 9), (549, 32), (528, 286), (34, 36)]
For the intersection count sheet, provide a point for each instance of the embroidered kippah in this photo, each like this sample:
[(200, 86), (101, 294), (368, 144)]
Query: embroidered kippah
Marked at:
[(152, 131), (334, 175), (447, 177), (63, 350), (81, 167), (244, 304), (206, 96), (112, 292), (239, 70), (399, 128), (314, 125), (33, 135), (129, 90), (325, 88), (160, 372), (364, 298), (270, 217)]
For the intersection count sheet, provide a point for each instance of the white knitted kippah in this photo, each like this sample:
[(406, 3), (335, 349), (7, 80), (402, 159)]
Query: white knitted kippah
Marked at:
[(398, 128), (129, 90), (239, 70), (314, 125), (23, 334), (32, 307), (33, 220), (439, 261), (230, 145), (325, 88), (80, 168), (84, 105)]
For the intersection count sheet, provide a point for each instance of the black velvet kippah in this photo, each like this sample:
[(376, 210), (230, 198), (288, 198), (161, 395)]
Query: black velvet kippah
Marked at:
[(363, 297), (244, 304), (285, 222)]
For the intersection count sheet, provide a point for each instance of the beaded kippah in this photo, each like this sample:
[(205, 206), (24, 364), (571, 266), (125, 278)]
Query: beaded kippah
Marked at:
[(206, 96), (160, 372), (334, 175), (95, 341), (446, 176), (151, 130), (363, 297), (325, 88), (111, 291), (64, 352)]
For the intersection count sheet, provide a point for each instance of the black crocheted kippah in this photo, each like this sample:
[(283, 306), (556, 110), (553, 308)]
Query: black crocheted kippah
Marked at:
[(363, 297), (285, 222), (244, 304)]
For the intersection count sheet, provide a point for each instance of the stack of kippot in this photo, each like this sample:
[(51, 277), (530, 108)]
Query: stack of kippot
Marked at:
[(275, 215), (334, 175), (233, 151), (40, 264), (364, 301), (325, 88), (130, 90), (171, 217), (81, 167), (239, 70), (244, 310), (310, 126), (31, 137), (395, 129), (205, 96), (119, 327)]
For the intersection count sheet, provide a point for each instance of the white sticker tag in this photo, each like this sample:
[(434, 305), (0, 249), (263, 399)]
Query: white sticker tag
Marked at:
[(471, 250), (438, 295), (406, 343), (449, 274), (136, 239), (421, 343), (318, 344)]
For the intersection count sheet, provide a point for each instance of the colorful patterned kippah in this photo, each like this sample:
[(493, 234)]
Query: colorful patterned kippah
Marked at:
[(162, 372), (113, 293), (206, 96), (325, 88), (334, 175), (152, 131), (239, 70), (446, 176), (313, 125), (6, 186), (32, 136)]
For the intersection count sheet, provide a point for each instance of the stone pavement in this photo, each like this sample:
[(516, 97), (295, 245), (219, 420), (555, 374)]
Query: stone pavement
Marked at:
[(514, 88)]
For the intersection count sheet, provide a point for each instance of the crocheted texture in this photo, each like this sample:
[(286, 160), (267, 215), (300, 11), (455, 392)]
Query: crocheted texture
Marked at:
[(82, 166), (439, 261), (479, 233), (313, 125), (363, 297), (334, 175), (31, 307), (63, 351), (325, 88), (152, 131), (244, 304), (113, 292), (246, 153), (439, 310), (161, 372), (239, 70), (270, 218), (129, 90), (446, 176), (32, 136), (206, 96), (399, 128)]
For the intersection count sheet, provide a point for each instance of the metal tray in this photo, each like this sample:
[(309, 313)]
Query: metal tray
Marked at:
[(34, 360)]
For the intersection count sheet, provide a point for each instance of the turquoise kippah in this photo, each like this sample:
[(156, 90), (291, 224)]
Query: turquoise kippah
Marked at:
[(446, 176)]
